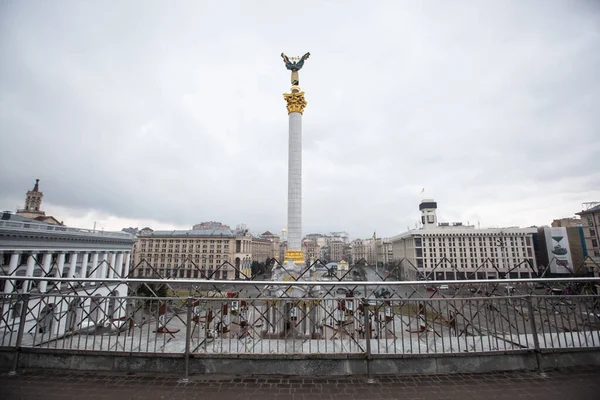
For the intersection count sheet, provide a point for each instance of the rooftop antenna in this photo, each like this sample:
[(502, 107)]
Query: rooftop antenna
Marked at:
[(478, 225), (94, 229)]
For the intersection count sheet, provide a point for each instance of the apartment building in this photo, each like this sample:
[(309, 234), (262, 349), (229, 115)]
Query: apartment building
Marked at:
[(310, 249), (456, 251), (590, 222), (262, 249), (195, 253)]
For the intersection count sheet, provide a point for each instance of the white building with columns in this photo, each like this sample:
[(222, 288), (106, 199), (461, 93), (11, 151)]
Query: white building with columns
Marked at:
[(29, 248)]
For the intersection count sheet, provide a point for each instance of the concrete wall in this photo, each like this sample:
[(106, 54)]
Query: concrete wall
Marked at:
[(301, 365)]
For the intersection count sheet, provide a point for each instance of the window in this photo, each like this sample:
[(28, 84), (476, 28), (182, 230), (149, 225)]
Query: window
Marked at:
[(592, 232), (594, 243)]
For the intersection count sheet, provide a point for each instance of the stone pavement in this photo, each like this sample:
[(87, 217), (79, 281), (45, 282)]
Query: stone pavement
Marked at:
[(577, 384)]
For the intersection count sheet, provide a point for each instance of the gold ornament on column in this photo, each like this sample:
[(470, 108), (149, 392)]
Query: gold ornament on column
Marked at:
[(295, 102)]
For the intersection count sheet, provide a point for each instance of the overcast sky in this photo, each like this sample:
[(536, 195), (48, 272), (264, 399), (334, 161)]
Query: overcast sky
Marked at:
[(166, 114)]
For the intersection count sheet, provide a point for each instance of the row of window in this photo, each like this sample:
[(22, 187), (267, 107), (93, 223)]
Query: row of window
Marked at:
[(457, 275), (184, 248), (481, 252), (150, 241), (202, 274), (450, 262), (178, 256), (452, 239), (495, 242), (218, 251)]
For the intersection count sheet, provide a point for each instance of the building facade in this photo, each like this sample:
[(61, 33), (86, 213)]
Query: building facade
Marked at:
[(262, 249), (32, 248), (363, 249), (454, 251), (566, 222), (275, 244), (385, 254), (561, 251), (590, 222), (201, 254), (337, 249), (29, 248), (311, 250)]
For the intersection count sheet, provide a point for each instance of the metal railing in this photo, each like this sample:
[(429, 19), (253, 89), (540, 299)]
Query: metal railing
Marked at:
[(335, 316), (265, 317)]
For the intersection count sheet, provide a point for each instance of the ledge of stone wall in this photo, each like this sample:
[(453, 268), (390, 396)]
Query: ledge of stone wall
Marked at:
[(300, 365)]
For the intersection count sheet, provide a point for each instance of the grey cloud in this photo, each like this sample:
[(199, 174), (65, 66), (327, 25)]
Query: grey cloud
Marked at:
[(175, 114)]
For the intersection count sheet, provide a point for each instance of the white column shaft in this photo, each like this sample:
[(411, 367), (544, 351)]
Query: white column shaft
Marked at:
[(127, 262), (60, 265), (94, 267), (119, 264), (295, 182), (84, 265), (43, 285), (73, 264), (112, 265), (103, 266), (12, 268), (29, 271)]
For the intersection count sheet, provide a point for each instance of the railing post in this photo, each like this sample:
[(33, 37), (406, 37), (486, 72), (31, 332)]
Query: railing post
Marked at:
[(367, 325), (536, 341), (22, 319), (188, 324)]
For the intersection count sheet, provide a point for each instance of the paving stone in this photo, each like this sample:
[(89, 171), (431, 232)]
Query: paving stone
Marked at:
[(574, 383)]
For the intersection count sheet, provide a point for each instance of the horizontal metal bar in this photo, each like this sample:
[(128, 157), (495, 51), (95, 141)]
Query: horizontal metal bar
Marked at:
[(306, 283)]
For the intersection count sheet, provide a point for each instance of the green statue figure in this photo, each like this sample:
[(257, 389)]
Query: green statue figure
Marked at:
[(295, 66)]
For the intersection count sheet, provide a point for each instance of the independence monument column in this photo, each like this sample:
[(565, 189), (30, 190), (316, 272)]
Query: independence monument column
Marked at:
[(295, 106)]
